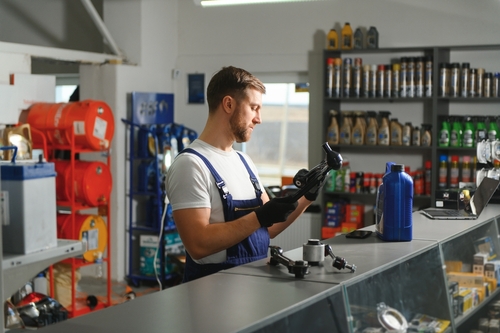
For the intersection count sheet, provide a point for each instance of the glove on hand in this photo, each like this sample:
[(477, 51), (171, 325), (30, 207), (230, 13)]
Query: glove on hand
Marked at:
[(313, 193), (274, 211)]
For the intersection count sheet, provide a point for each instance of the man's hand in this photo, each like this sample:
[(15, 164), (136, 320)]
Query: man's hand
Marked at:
[(274, 211), (313, 193)]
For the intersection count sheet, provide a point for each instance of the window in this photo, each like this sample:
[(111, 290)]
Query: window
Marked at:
[(278, 146)]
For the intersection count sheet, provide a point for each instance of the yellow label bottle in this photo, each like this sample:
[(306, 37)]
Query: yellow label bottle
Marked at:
[(332, 136), (372, 129), (384, 134), (347, 37), (346, 129), (332, 40)]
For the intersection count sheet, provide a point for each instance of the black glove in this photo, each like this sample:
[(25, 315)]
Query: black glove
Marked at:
[(312, 194), (275, 210)]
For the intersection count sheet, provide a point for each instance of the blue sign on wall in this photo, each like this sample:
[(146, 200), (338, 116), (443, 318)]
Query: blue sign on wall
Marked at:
[(152, 108)]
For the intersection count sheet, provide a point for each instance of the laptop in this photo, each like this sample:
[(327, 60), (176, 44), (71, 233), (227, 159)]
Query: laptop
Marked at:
[(473, 209)]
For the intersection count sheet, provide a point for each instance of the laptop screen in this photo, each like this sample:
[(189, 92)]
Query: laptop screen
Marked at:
[(484, 193)]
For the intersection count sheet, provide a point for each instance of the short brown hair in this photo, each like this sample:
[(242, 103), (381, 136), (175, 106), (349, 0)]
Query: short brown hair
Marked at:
[(231, 81)]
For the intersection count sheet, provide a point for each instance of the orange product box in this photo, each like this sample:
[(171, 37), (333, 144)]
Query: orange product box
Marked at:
[(328, 232)]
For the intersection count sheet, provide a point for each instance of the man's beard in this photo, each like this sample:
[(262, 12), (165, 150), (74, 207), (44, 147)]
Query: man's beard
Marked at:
[(240, 130)]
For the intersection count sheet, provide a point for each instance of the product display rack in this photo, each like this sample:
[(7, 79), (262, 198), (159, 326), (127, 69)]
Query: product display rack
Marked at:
[(433, 108), (77, 308), (146, 198)]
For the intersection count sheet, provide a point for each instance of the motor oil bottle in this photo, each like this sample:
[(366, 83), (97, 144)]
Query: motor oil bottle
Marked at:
[(358, 131), (444, 133), (493, 130), (415, 136), (455, 80), (356, 77), (384, 134), (346, 37), (380, 80), (373, 81), (406, 135), (481, 131), (346, 77), (402, 76), (371, 129), (428, 76), (332, 40), (454, 171), (443, 172), (466, 169), (346, 129), (428, 177), (358, 38), (372, 38), (329, 77), (365, 81), (468, 133), (337, 78), (419, 76), (396, 132), (456, 132), (395, 80), (332, 136), (388, 81), (410, 77), (394, 205), (426, 138)]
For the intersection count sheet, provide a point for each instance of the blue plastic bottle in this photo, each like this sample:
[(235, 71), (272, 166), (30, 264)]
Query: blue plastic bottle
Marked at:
[(394, 205)]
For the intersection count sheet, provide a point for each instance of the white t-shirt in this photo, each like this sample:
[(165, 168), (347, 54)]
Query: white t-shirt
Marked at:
[(190, 184)]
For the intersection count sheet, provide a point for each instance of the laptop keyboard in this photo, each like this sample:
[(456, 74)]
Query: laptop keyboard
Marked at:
[(454, 213)]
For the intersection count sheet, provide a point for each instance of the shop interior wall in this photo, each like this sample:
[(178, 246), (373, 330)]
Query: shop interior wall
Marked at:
[(163, 36)]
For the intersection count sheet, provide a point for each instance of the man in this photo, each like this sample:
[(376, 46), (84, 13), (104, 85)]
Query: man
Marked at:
[(222, 214)]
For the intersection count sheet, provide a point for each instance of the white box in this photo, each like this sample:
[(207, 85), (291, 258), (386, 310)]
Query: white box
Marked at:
[(29, 193)]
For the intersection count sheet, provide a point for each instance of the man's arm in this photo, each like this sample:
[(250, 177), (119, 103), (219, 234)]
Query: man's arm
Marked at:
[(202, 238)]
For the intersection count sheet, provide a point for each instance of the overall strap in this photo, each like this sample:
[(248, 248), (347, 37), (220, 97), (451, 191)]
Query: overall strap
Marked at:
[(218, 179), (253, 178)]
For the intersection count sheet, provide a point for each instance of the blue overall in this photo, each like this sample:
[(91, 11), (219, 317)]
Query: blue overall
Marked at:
[(252, 248)]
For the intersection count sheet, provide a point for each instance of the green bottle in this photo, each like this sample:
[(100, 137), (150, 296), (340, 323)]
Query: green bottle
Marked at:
[(444, 133), (468, 133), (493, 131), (456, 132), (481, 131)]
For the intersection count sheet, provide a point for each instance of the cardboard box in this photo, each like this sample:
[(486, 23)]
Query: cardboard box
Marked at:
[(466, 279), (478, 263), (328, 232)]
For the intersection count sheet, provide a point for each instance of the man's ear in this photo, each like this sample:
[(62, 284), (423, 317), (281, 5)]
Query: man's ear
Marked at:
[(228, 103)]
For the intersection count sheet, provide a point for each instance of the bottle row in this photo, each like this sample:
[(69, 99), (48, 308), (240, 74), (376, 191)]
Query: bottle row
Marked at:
[(348, 40), (457, 80), (467, 131), (409, 77), (346, 181), (456, 169), (372, 128)]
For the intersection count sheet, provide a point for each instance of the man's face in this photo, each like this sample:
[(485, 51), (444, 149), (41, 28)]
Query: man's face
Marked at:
[(246, 115)]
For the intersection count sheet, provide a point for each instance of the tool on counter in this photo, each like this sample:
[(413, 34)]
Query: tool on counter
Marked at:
[(338, 262), (299, 267), (306, 180), (314, 252)]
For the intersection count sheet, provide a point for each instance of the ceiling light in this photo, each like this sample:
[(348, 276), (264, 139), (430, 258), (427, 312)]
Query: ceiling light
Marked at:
[(213, 3)]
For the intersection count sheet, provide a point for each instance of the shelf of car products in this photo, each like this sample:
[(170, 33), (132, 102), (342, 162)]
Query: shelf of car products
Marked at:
[(429, 105)]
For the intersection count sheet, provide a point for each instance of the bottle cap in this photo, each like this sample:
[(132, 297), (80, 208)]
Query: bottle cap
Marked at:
[(381, 67), (443, 158), (465, 65), (466, 159), (428, 164), (397, 167), (338, 61), (374, 67), (396, 67), (455, 65), (366, 68), (454, 158), (329, 61)]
